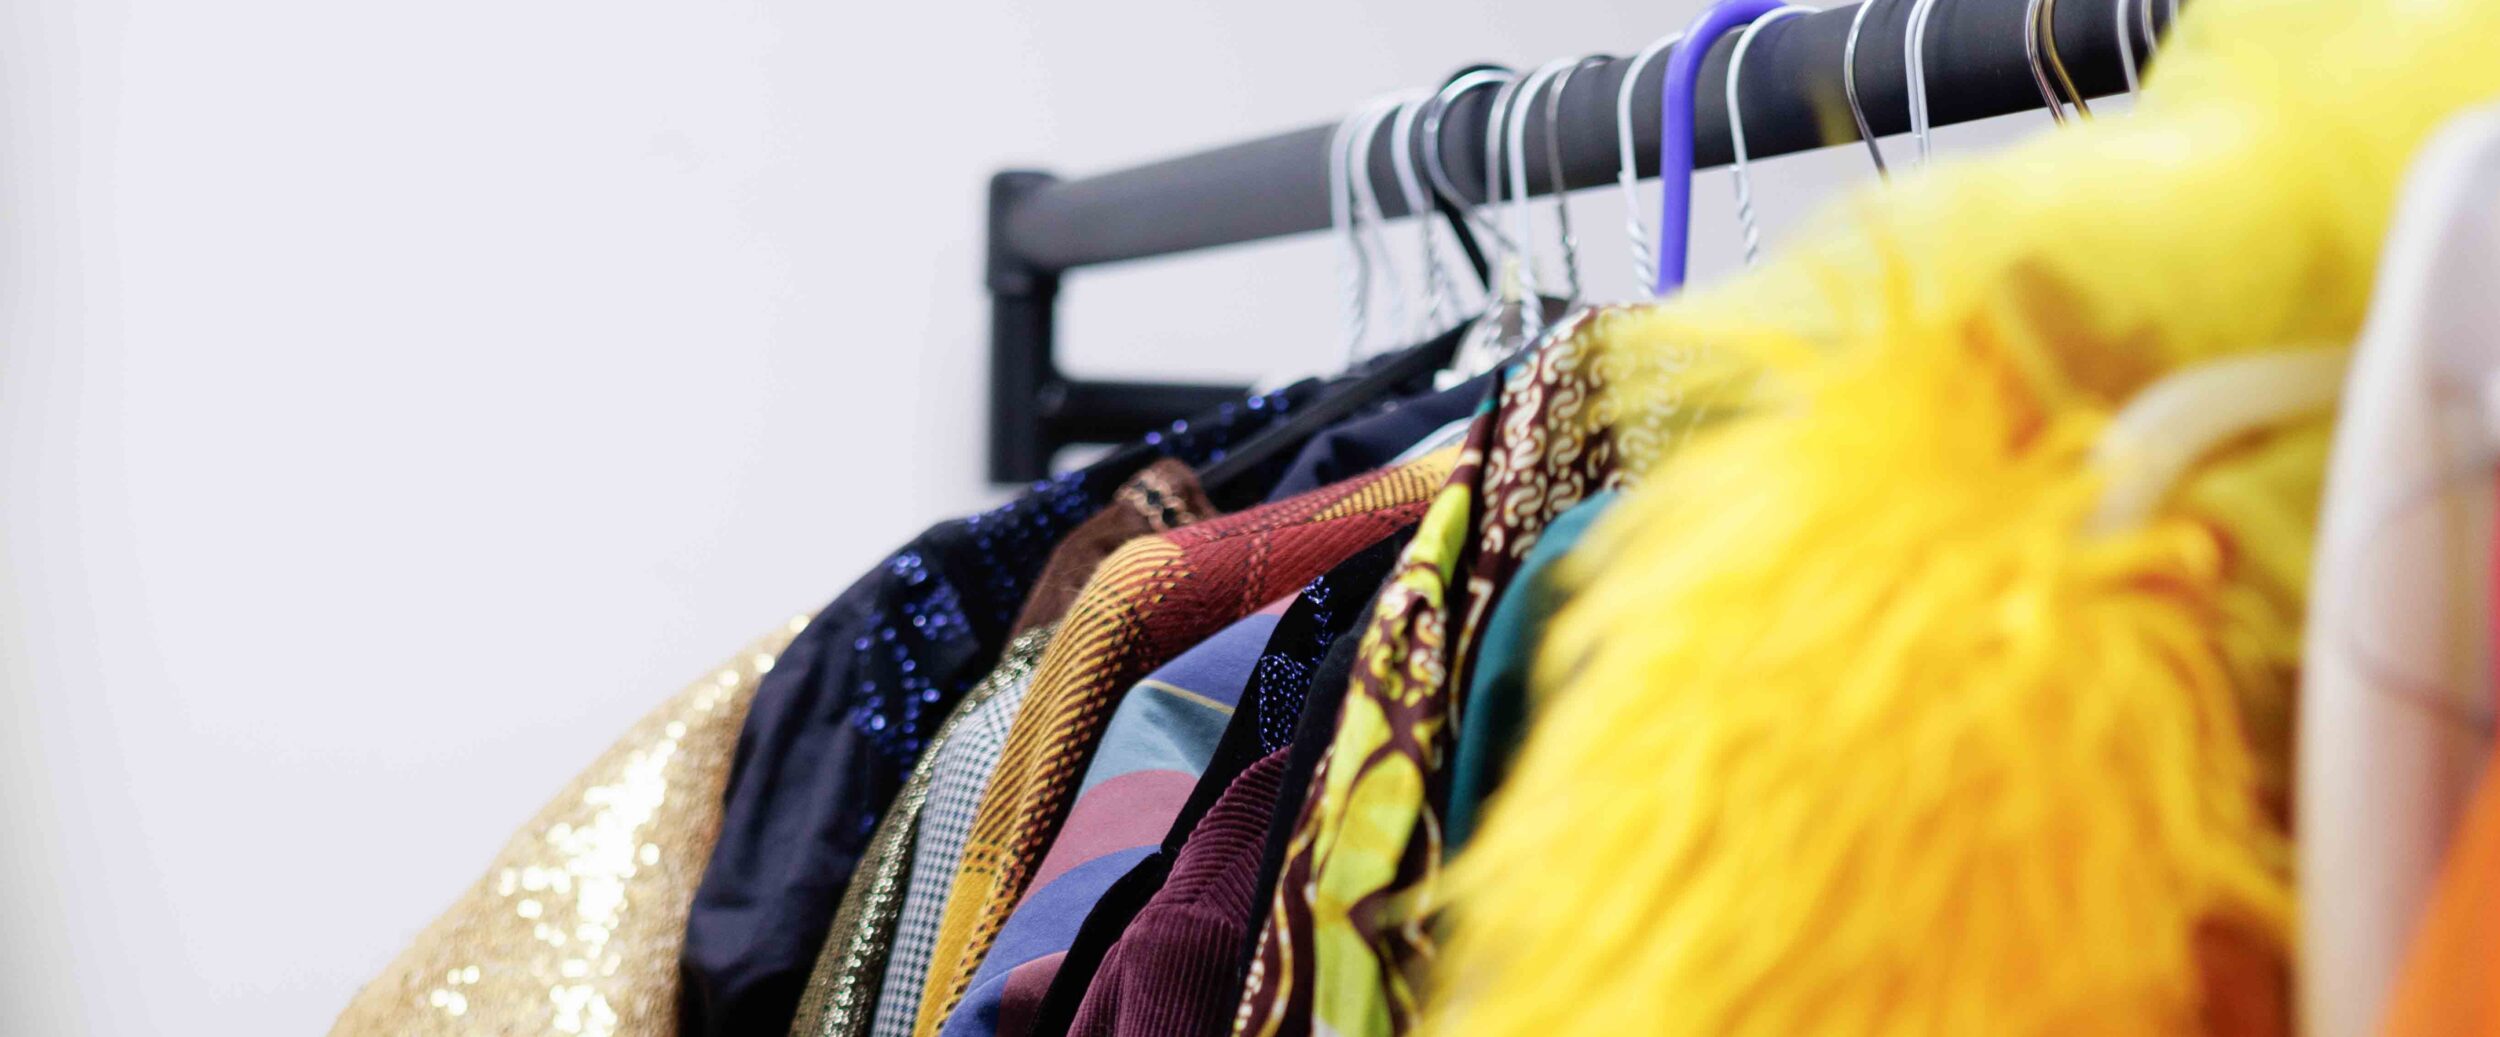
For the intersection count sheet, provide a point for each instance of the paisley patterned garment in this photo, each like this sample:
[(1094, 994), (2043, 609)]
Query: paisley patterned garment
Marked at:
[(1349, 923), (574, 929), (1384, 739)]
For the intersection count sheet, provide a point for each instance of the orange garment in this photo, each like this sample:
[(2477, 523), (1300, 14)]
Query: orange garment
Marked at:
[(2447, 988)]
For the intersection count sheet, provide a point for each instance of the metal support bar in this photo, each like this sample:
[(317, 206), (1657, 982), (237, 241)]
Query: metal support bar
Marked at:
[(1277, 186), (1034, 409)]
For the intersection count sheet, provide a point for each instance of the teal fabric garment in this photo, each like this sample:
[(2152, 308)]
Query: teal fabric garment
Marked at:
[(1497, 703)]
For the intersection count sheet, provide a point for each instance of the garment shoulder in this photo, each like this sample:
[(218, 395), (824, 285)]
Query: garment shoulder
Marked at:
[(611, 861)]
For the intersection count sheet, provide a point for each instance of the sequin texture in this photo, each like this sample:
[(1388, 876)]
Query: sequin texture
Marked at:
[(942, 609), (575, 927), (1283, 676), (841, 997), (833, 733)]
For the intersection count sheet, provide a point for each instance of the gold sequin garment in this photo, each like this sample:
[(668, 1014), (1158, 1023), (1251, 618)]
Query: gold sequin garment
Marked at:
[(841, 996), (575, 929)]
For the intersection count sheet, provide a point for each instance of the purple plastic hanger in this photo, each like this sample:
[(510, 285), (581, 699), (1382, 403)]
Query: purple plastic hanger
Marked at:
[(1675, 133)]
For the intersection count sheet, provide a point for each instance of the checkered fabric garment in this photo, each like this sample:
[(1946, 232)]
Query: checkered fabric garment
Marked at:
[(841, 996), (961, 773)]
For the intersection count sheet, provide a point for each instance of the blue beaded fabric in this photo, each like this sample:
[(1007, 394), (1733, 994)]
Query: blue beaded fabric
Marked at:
[(1327, 609), (837, 723), (1322, 613)]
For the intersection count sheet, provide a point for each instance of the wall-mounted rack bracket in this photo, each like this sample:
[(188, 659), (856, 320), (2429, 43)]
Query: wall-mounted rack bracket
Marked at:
[(1035, 409)]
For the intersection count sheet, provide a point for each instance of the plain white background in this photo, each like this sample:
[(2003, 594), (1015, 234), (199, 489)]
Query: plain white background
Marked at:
[(396, 400)]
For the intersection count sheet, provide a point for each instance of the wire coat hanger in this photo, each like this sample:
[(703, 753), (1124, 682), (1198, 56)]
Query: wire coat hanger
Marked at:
[(1554, 174), (1514, 172), (1849, 86), (1517, 311), (2144, 19), (1368, 220), (1627, 168), (2031, 57), (1439, 288), (1736, 126), (2039, 34), (1914, 65), (1556, 81), (1354, 270), (1436, 110), (1465, 224), (1369, 382), (1675, 133), (2126, 46), (2057, 59), (1489, 213)]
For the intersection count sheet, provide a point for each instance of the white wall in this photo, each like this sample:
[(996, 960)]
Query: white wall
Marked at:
[(397, 399)]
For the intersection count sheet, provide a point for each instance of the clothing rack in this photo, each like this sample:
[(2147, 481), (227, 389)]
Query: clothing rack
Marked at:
[(1041, 227)]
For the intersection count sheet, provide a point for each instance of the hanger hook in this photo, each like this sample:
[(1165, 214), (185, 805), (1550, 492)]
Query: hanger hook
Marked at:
[(1503, 136), (1439, 288), (1554, 171), (2152, 42), (1515, 125), (2126, 46), (1736, 126), (1627, 166), (1435, 169), (2057, 60), (1849, 86), (1368, 220), (1914, 63), (2031, 56), (2152, 38), (1354, 262), (1496, 116)]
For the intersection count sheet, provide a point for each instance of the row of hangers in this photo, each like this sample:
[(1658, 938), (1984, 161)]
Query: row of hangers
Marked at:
[(2147, 446), (1415, 121)]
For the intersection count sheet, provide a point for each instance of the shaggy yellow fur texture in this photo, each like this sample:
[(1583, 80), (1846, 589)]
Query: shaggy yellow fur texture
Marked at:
[(1851, 730)]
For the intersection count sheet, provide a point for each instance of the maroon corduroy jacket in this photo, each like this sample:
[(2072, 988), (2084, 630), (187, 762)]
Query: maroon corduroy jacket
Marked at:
[(1174, 971)]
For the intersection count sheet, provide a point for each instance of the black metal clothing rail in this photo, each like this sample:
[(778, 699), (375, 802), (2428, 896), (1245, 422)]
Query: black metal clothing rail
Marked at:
[(1041, 226)]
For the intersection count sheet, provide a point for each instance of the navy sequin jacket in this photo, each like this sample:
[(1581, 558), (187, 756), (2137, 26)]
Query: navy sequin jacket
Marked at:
[(836, 725)]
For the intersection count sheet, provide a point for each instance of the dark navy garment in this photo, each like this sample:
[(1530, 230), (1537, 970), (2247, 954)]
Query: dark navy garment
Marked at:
[(1328, 611), (835, 727), (1322, 706), (1354, 447)]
